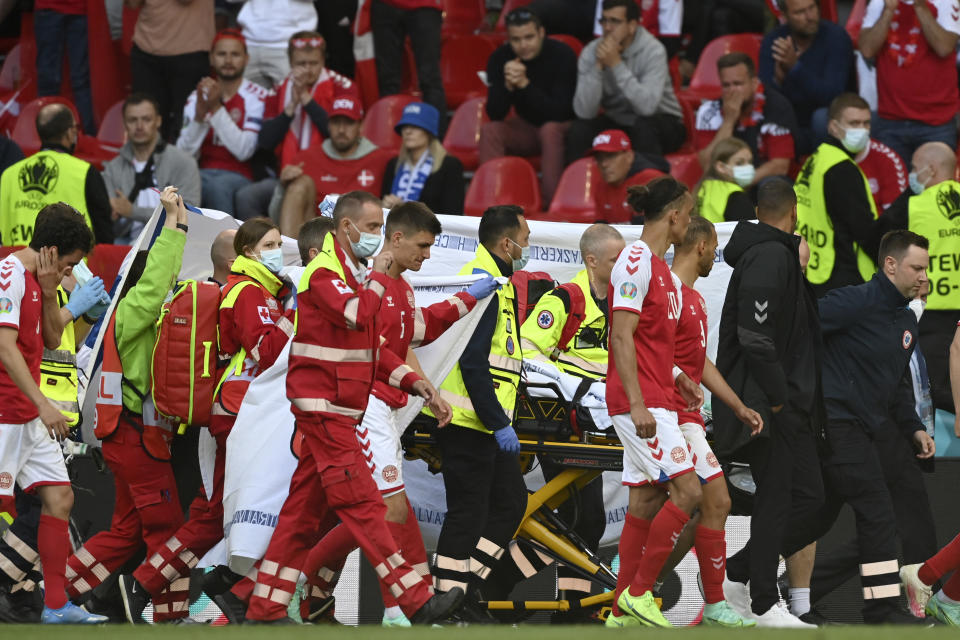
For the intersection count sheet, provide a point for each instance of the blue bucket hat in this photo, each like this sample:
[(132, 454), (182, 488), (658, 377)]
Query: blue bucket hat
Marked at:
[(420, 114)]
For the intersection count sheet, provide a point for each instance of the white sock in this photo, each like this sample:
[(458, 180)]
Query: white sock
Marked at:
[(942, 597), (799, 601), (392, 612)]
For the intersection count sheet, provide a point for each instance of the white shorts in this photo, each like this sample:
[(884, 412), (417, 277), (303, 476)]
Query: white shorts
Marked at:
[(380, 440), (704, 461), (652, 460), (29, 457)]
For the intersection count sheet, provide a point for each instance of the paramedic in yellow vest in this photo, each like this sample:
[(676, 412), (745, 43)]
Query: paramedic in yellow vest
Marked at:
[(720, 195), (586, 357), (932, 210), (51, 175), (486, 495), (835, 209)]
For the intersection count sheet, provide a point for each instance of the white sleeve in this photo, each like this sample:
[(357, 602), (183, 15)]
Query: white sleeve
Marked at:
[(670, 17), (948, 15), (597, 29), (630, 279), (193, 133), (872, 14), (241, 143), (11, 297)]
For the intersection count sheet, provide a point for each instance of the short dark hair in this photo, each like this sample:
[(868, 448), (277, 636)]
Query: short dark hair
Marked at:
[(411, 218), (521, 16), (351, 203), (734, 58), (311, 236), (251, 232), (895, 244), (699, 229), (60, 225), (846, 101), (51, 128), (653, 199), (497, 222), (633, 11), (140, 97), (775, 199)]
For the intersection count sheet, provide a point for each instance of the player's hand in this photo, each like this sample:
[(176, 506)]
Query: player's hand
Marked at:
[(690, 391), (49, 273), (54, 421), (426, 391), (440, 409), (643, 421), (926, 445), (382, 262), (751, 418)]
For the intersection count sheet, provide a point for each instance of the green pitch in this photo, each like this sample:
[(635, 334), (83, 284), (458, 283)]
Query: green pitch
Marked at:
[(524, 632)]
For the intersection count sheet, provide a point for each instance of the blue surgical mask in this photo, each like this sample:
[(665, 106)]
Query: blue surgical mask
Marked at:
[(272, 259), (743, 174), (521, 262), (367, 245), (856, 139), (914, 180)]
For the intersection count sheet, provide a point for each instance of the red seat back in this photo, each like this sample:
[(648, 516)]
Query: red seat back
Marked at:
[(460, 60), (461, 17), (508, 180), (463, 134), (570, 41), (25, 131), (382, 117), (706, 79), (105, 261), (686, 168), (573, 200), (10, 73), (111, 129), (855, 20)]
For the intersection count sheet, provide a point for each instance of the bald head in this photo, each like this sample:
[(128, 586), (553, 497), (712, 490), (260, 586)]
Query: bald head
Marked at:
[(600, 245), (222, 255), (55, 125), (934, 162)]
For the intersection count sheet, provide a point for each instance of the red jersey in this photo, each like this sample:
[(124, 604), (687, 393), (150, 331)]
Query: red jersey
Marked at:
[(403, 325), (691, 348), (611, 200), (885, 172), (642, 283), (334, 175), (21, 308), (245, 109)]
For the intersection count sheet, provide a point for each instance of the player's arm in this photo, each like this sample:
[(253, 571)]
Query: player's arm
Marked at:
[(714, 381), (440, 408), (429, 323), (16, 367), (955, 378), (625, 358), (49, 276)]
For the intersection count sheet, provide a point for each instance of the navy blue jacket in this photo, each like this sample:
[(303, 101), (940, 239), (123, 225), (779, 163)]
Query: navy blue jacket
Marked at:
[(869, 334)]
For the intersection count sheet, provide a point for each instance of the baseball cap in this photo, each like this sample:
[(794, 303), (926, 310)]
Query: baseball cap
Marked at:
[(611, 140), (420, 114), (348, 107)]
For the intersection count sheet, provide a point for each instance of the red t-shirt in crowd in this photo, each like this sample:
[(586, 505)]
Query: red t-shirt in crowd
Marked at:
[(21, 308), (611, 200), (245, 108), (691, 349), (72, 7), (885, 172), (336, 175), (913, 82), (642, 283), (767, 129)]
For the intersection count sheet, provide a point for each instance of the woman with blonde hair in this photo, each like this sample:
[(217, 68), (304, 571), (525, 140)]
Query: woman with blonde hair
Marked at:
[(720, 195)]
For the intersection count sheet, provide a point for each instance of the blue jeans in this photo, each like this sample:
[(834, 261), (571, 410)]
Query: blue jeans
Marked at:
[(218, 186), (904, 136), (52, 30)]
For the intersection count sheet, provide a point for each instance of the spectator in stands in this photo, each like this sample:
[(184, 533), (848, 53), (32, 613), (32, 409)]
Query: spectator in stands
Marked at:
[(748, 110), (721, 196), (267, 26), (537, 77), (392, 21), (620, 167), (57, 23), (52, 175), (335, 22), (222, 120), (9, 152), (810, 62), (915, 48), (885, 172), (662, 18), (706, 20), (625, 73), (423, 171), (145, 165), (170, 53)]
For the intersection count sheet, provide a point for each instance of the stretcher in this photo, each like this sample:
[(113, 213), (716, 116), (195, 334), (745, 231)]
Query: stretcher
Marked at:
[(548, 427)]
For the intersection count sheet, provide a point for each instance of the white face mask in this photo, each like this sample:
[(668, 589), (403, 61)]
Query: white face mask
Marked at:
[(917, 305), (856, 139), (81, 273), (743, 174)]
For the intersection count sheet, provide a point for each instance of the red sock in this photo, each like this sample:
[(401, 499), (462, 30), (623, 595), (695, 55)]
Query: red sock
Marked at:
[(331, 551), (396, 532), (412, 547), (711, 546), (632, 541), (53, 544), (664, 531), (943, 562)]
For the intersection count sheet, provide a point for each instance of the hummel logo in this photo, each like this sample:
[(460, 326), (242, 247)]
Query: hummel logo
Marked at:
[(759, 314), (632, 270)]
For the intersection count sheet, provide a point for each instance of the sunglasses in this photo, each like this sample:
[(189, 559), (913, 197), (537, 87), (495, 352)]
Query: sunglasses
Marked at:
[(518, 17), (300, 43)]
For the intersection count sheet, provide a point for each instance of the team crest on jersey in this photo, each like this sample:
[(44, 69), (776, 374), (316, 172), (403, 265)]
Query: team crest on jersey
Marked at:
[(510, 346), (628, 290), (6, 305), (907, 339), (390, 473), (6, 480), (410, 299), (545, 320), (678, 455), (712, 460)]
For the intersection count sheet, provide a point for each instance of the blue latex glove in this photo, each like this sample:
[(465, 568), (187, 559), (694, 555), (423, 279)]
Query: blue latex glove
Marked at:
[(100, 308), (84, 298), (483, 288), (507, 440)]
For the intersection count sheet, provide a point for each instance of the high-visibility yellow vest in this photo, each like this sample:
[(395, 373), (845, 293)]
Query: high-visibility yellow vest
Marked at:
[(935, 214), (28, 186), (58, 372), (712, 197), (505, 354), (813, 220), (587, 354)]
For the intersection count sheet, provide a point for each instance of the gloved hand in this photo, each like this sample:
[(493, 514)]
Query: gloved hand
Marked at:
[(482, 288), (507, 440), (84, 298), (100, 308)]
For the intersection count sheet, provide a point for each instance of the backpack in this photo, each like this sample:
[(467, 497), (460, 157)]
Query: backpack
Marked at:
[(533, 285), (184, 366)]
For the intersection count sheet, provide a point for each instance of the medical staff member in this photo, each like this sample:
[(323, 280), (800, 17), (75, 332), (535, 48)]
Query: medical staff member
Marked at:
[(721, 196)]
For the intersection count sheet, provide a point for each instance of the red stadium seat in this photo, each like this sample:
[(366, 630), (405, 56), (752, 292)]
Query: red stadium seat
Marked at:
[(111, 129), (855, 20), (460, 60), (461, 17), (382, 117), (689, 105), (10, 73), (105, 261), (25, 131), (570, 41), (507, 180), (705, 82), (463, 134), (573, 200), (686, 168)]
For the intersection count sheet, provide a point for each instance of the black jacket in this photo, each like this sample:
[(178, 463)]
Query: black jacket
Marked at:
[(548, 97), (869, 334), (443, 191), (770, 348)]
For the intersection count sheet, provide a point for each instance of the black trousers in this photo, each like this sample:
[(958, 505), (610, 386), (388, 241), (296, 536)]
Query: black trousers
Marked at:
[(17, 564), (390, 27), (786, 468), (338, 33), (169, 79), (936, 333), (486, 500), (659, 134)]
